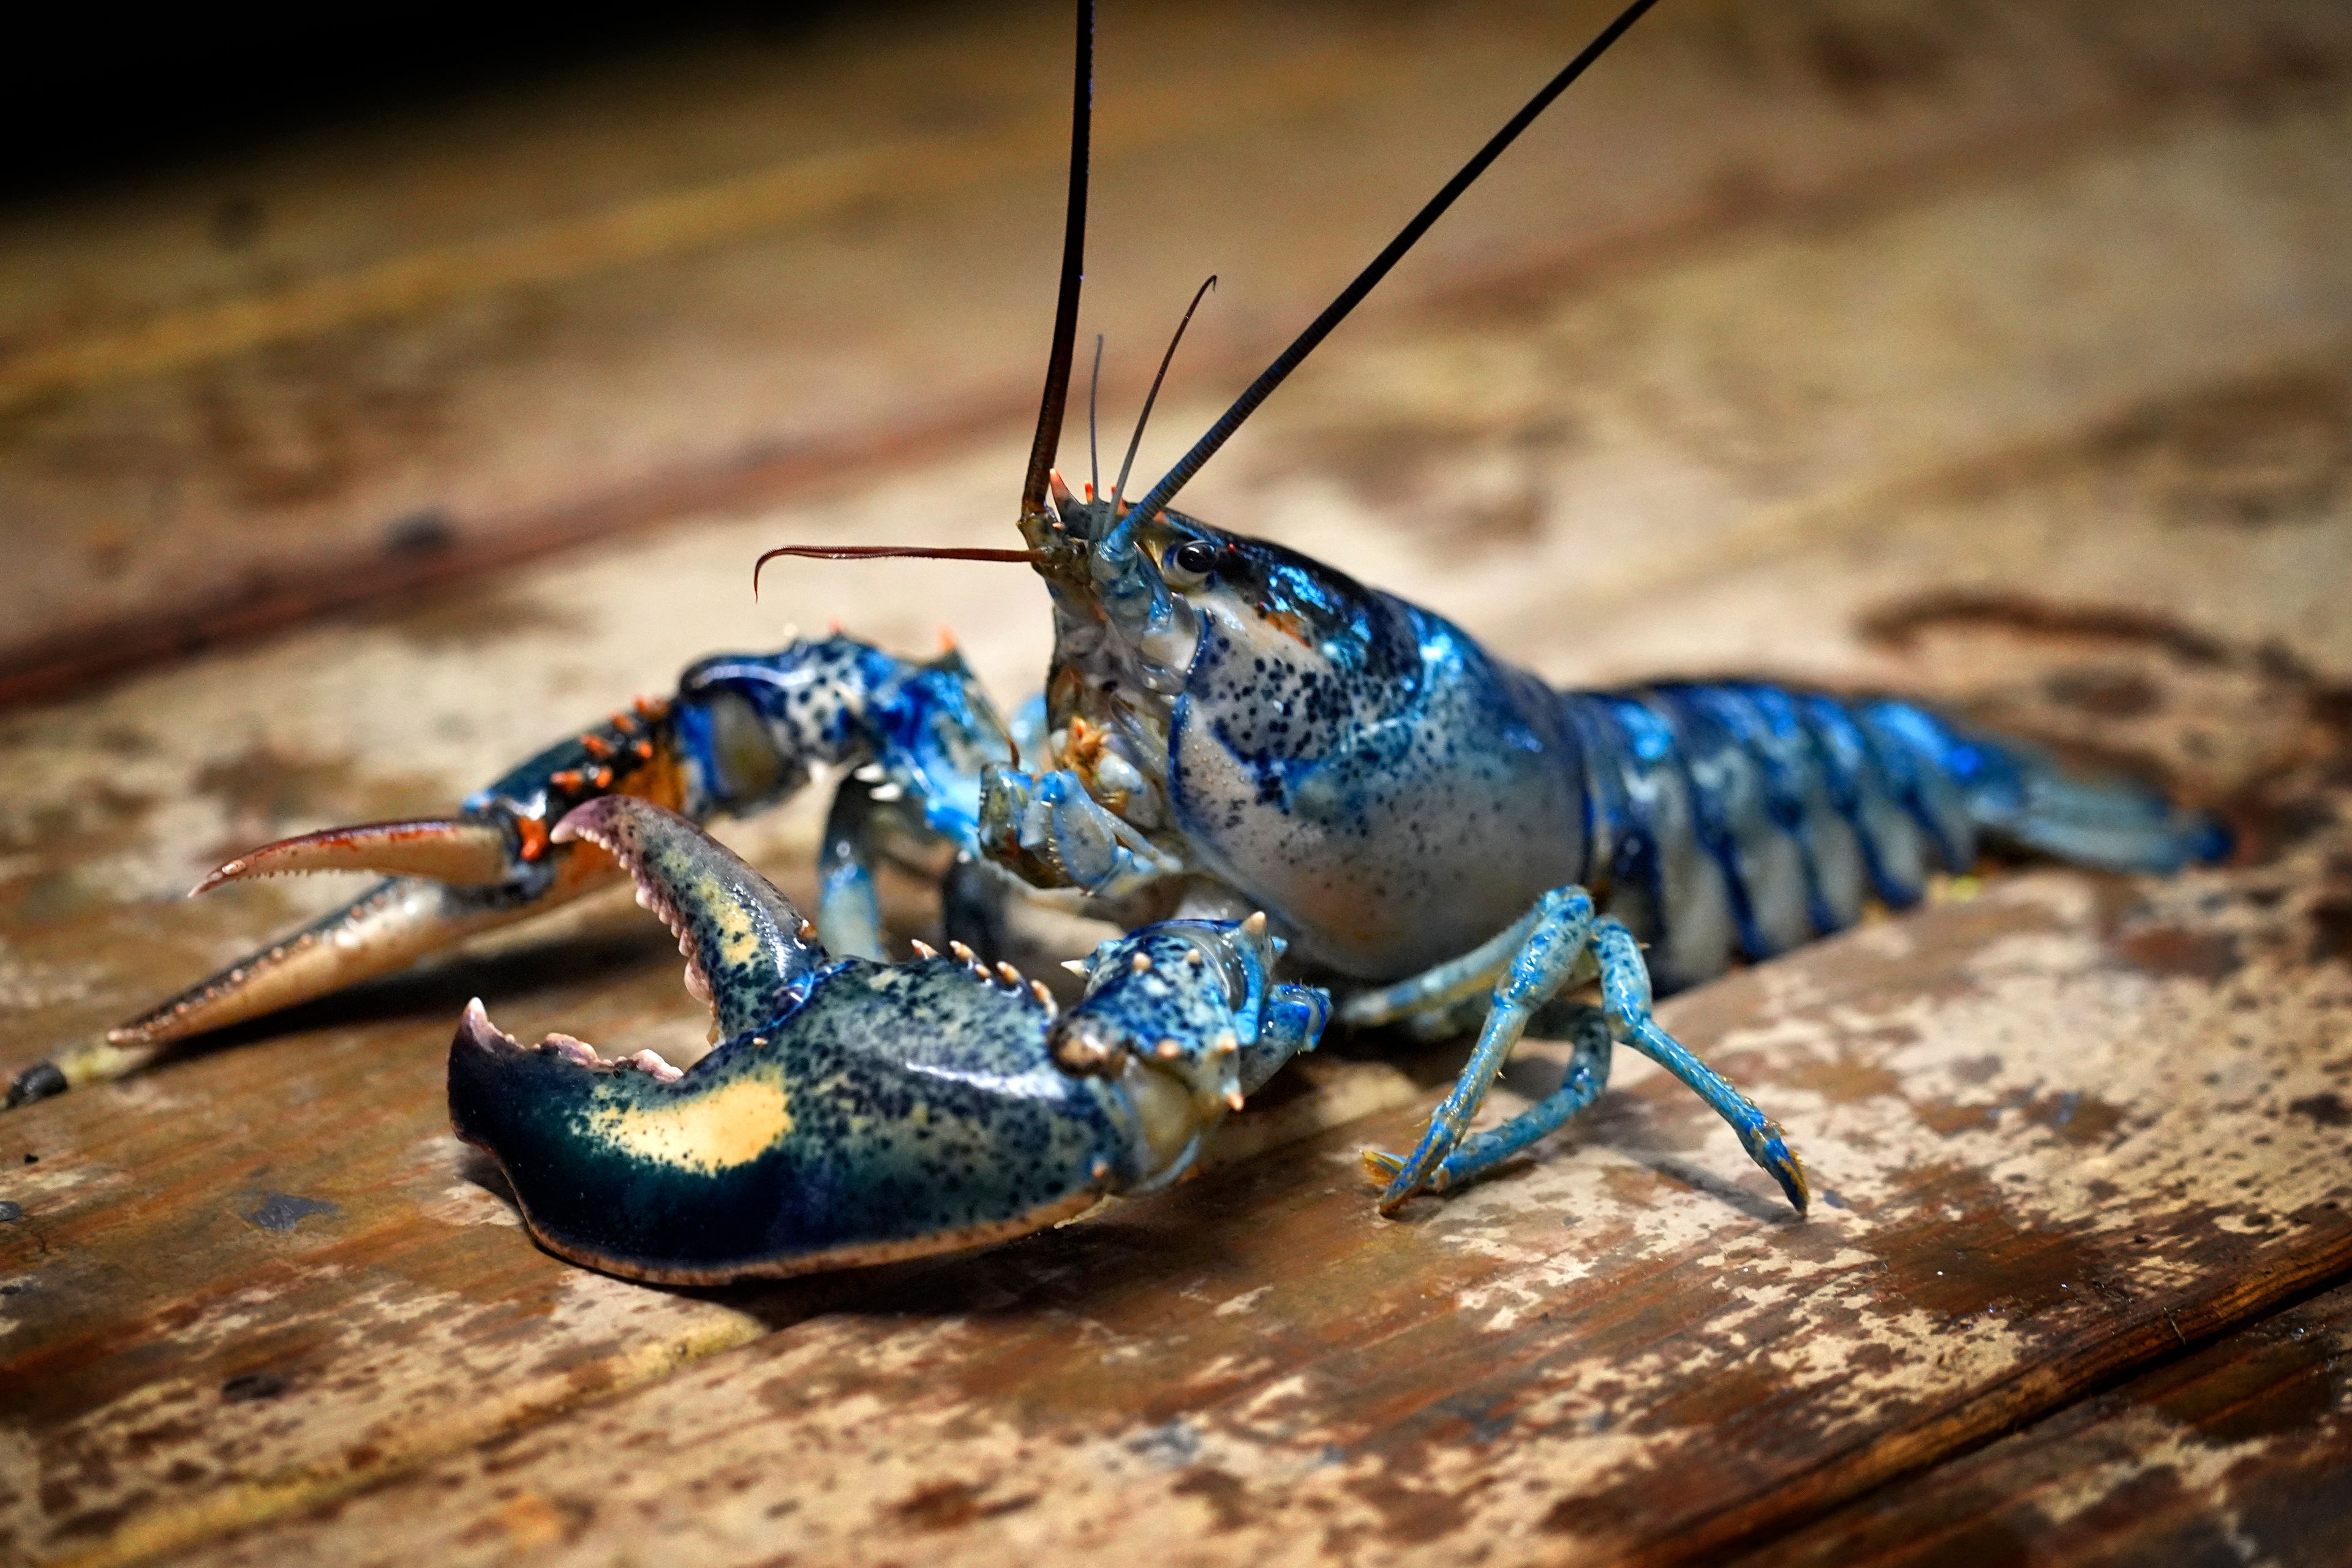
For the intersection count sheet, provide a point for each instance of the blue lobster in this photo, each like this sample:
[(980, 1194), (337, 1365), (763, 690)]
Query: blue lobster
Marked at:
[(1431, 836)]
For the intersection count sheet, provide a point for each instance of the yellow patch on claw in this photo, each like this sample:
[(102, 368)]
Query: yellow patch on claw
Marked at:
[(726, 1127), (742, 941)]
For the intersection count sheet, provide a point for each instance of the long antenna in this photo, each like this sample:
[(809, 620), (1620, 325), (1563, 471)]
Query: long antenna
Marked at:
[(1336, 311), (1118, 487), (1074, 270)]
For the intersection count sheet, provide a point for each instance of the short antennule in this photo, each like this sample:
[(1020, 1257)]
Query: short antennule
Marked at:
[(1289, 359), (1074, 267), (1118, 487), (1094, 452)]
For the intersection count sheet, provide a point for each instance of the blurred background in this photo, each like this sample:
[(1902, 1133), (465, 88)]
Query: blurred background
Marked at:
[(291, 319)]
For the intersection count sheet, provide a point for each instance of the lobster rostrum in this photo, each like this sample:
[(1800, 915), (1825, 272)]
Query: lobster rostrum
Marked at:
[(857, 1111)]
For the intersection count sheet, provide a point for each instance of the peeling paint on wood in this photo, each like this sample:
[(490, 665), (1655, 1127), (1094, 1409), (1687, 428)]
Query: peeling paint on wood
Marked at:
[(2242, 1453)]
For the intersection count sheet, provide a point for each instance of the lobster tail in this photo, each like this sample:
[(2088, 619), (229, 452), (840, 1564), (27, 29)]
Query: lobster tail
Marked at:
[(1744, 818), (2019, 794)]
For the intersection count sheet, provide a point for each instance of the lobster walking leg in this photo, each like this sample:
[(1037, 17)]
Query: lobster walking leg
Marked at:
[(1625, 996), (1428, 1004), (1564, 944), (1557, 949), (1587, 1028)]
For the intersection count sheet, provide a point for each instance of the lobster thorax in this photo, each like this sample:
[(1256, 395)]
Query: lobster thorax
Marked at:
[(1351, 763)]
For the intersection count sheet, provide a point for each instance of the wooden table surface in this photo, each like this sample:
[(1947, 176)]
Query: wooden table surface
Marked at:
[(1997, 353)]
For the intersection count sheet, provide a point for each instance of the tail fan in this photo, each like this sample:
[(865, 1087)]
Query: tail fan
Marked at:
[(2020, 794)]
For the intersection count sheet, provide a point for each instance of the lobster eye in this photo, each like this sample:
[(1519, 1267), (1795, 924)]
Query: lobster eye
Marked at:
[(1194, 559)]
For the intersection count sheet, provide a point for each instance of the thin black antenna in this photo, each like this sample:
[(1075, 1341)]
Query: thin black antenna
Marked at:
[(1118, 486), (1074, 268), (1094, 452), (1353, 294)]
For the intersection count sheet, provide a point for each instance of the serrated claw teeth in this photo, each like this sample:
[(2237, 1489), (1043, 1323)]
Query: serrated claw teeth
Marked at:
[(572, 1050), (652, 1063), (925, 950)]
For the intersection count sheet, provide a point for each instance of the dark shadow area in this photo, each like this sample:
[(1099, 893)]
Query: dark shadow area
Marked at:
[(108, 96)]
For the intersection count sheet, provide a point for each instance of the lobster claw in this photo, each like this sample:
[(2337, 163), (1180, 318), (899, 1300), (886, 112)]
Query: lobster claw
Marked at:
[(856, 1112), (461, 852), (446, 881), (447, 878)]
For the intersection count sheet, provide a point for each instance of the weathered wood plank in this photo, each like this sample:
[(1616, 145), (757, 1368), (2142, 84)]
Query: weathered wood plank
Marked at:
[(423, 349), (2084, 477), (2240, 1453), (2243, 1452)]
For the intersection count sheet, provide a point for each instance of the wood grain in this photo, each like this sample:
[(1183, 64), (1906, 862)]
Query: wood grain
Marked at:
[(2055, 428), (2241, 1452)]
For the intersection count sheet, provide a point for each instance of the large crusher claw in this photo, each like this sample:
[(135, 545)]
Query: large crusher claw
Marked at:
[(858, 1111)]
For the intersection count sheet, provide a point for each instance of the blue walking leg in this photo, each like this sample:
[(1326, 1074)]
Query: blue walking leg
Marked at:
[(1556, 949), (1433, 992), (1625, 996), (1586, 1076)]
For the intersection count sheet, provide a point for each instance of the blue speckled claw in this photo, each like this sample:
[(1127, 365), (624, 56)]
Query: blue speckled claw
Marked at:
[(743, 732), (748, 952), (859, 1112)]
